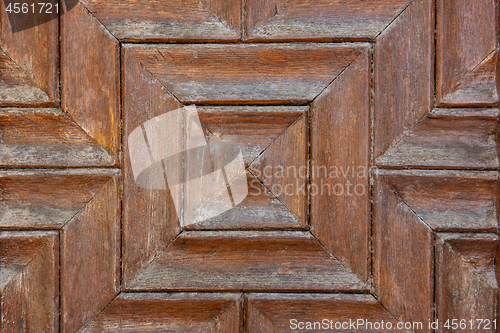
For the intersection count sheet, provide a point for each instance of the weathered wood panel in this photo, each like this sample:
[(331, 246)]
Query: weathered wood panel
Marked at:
[(29, 281), (249, 261), (403, 258), (174, 312), (32, 44), (246, 74), (466, 55), (340, 159), (90, 77), (250, 129), (458, 201), (90, 258), (169, 20), (260, 210), (316, 312), (466, 287), (283, 167), (403, 75), (17, 88), (150, 220), (46, 138), (448, 138), (324, 20), (46, 199)]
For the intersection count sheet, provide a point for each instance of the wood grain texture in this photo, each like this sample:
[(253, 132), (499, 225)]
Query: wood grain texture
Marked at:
[(90, 258), (150, 220), (246, 74), (250, 129), (466, 286), (17, 88), (458, 201), (249, 261), (277, 312), (403, 75), (260, 210), (448, 138), (46, 138), (403, 258), (173, 312), (35, 52), (283, 166), (90, 77), (340, 158), (466, 63), (169, 20), (325, 20), (46, 199), (29, 281)]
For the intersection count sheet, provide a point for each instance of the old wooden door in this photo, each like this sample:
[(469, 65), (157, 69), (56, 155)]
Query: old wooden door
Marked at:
[(248, 166)]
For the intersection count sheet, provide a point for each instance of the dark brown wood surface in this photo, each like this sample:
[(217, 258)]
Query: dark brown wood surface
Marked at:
[(150, 221), (242, 262), (276, 312), (340, 169), (17, 87), (448, 138), (324, 20), (93, 280), (467, 53), (465, 269), (245, 74), (169, 20), (451, 201), (29, 281), (33, 54), (354, 147), (403, 75), (171, 312), (46, 138), (403, 259), (90, 77)]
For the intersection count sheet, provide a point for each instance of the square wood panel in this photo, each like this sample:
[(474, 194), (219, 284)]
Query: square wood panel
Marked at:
[(273, 142), (365, 194)]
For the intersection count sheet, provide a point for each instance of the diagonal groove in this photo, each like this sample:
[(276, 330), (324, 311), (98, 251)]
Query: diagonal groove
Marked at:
[(406, 204), (469, 265), (226, 309), (470, 72), (392, 21), (42, 247), (86, 204), (277, 137), (274, 195), (334, 256), (26, 74), (66, 144), (386, 309), (102, 310), (404, 135), (161, 83), (225, 24), (146, 265), (99, 22), (91, 139), (276, 12), (360, 53), (279, 330)]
